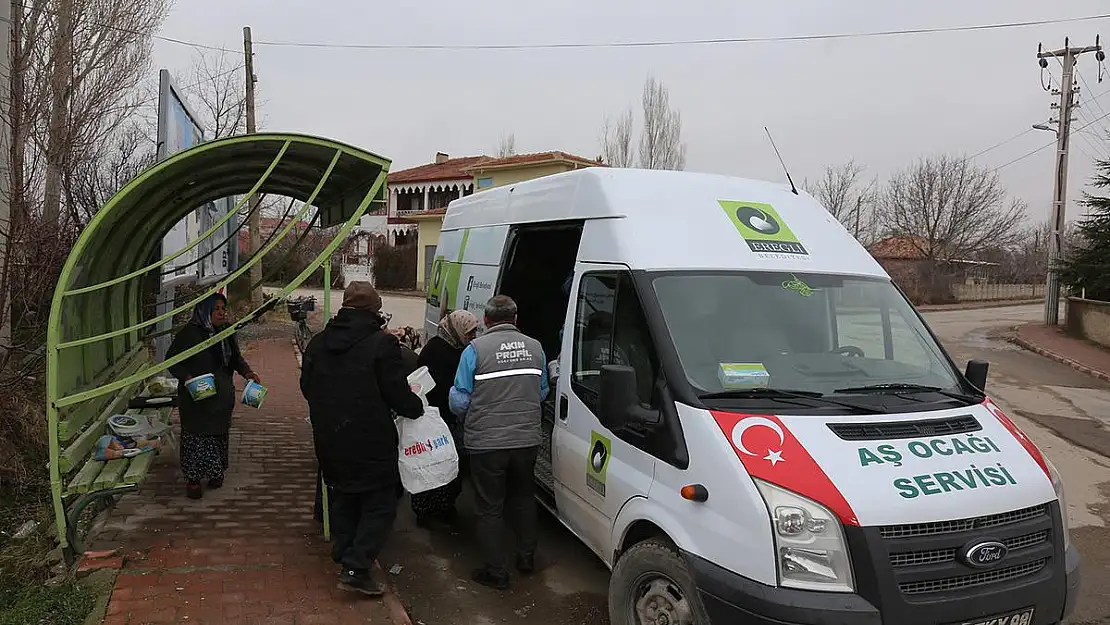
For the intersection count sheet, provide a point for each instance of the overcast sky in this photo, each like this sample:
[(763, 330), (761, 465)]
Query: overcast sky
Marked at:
[(883, 101)]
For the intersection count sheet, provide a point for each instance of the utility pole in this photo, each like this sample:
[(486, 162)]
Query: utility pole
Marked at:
[(256, 216), (1068, 57), (6, 44), (859, 207)]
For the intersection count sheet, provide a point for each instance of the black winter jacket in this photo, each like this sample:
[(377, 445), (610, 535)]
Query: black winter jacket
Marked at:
[(212, 415), (442, 361), (354, 380)]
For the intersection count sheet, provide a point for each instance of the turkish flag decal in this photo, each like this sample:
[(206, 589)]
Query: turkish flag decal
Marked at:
[(1016, 432), (770, 452)]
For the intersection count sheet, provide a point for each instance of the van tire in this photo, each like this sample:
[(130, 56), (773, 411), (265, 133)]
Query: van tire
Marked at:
[(645, 570)]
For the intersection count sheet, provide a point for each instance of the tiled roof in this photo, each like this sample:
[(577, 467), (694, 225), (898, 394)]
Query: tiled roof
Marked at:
[(435, 212), (519, 160), (899, 248), (451, 169)]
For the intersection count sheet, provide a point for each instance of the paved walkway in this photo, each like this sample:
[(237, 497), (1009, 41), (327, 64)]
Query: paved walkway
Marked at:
[(248, 553), (1077, 353)]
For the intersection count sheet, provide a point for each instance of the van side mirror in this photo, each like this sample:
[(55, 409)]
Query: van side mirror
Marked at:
[(976, 373), (619, 407)]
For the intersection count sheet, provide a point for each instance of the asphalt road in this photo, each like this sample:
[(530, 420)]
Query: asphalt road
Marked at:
[(1063, 411)]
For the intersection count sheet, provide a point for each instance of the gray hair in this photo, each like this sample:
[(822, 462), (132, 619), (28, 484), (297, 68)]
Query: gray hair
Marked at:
[(500, 309)]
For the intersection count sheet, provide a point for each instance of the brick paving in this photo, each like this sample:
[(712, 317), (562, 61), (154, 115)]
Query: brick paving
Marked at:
[(245, 554), (1052, 342)]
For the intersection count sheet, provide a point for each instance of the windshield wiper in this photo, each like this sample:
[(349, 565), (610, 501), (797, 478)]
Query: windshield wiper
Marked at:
[(790, 396), (899, 388), (762, 392)]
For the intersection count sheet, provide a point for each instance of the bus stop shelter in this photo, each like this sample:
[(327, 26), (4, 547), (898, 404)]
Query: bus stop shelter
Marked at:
[(101, 325)]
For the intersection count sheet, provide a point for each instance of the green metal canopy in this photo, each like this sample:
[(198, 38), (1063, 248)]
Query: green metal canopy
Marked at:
[(97, 327)]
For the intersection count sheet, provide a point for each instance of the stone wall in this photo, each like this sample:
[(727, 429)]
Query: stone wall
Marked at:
[(1089, 319)]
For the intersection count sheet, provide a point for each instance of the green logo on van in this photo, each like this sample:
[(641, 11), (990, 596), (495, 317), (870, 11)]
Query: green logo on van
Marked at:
[(762, 228), (443, 284), (597, 463)]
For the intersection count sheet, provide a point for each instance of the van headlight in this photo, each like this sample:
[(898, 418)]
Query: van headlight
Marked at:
[(810, 551), (1058, 486)]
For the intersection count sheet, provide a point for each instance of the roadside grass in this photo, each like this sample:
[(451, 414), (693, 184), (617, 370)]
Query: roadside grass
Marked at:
[(25, 568)]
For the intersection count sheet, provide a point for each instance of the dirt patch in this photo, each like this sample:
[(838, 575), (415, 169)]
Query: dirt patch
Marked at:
[(569, 588), (1085, 433), (1093, 544)]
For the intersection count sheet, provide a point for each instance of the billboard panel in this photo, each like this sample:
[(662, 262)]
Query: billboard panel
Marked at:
[(180, 129)]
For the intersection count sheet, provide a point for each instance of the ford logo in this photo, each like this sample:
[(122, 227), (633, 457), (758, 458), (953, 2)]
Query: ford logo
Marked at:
[(985, 554)]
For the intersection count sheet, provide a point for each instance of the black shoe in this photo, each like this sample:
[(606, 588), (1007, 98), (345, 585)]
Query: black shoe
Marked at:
[(215, 483), (526, 563), (193, 490), (360, 582), (486, 578)]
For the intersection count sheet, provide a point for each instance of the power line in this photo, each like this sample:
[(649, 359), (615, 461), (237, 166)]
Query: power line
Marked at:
[(680, 42), (1047, 145), (131, 31), (1001, 143), (613, 44)]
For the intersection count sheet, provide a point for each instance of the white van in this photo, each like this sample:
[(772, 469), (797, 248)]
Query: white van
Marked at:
[(752, 424)]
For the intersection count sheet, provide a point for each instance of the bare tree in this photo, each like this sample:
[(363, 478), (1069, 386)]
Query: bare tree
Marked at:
[(949, 208), (100, 51), (660, 145), (218, 94), (616, 141), (507, 146), (75, 68), (849, 198), (97, 177)]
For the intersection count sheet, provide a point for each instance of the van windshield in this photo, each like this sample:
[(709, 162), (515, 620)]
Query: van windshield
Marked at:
[(812, 334)]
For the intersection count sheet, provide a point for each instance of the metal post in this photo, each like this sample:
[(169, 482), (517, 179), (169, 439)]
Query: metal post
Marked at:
[(327, 317), (327, 290), (1068, 56), (255, 224)]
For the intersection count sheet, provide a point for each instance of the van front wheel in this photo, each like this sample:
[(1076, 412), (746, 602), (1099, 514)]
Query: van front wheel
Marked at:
[(651, 585)]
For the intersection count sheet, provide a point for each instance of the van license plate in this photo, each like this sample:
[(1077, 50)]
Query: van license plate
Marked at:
[(1022, 617)]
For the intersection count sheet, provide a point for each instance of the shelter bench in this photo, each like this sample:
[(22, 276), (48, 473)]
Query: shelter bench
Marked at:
[(86, 480)]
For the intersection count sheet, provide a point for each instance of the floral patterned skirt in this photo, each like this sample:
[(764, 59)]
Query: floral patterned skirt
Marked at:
[(204, 456)]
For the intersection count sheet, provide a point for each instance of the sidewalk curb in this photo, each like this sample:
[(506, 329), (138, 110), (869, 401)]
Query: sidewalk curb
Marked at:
[(1002, 303), (397, 612), (405, 294), (1051, 355)]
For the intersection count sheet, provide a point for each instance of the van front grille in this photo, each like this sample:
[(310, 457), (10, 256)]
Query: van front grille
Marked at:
[(913, 530), (938, 556), (970, 581)]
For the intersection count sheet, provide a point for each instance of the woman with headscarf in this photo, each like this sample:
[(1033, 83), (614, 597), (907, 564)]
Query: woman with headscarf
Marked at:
[(205, 423), (441, 354), (409, 339)]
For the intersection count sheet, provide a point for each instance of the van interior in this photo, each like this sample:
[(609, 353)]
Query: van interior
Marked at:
[(539, 259)]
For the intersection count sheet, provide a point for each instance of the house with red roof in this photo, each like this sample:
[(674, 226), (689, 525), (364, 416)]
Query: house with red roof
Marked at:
[(487, 173), (418, 199), (927, 275), (412, 191)]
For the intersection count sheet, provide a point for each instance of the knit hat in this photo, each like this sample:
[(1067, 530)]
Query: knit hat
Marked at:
[(362, 295)]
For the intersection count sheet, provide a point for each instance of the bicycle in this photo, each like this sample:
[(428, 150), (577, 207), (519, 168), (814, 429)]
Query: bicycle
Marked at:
[(299, 308)]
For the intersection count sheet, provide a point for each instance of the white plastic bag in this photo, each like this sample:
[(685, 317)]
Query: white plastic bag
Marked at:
[(428, 455)]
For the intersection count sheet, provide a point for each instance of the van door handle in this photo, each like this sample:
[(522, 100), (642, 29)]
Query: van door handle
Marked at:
[(564, 407)]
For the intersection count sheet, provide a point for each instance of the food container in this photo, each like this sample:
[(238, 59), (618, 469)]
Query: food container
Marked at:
[(201, 387), (254, 394), (421, 382)]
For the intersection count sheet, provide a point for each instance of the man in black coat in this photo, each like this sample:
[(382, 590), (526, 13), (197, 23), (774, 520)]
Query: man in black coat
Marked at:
[(354, 380)]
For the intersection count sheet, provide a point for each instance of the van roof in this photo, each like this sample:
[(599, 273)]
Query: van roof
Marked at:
[(651, 219)]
